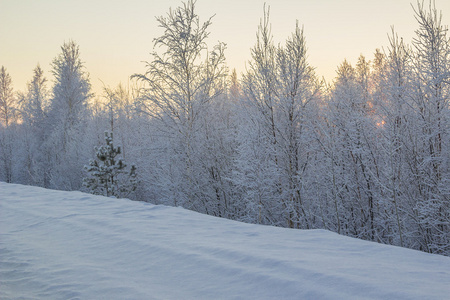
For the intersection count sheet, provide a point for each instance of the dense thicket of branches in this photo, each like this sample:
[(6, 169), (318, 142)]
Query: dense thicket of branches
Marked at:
[(367, 156)]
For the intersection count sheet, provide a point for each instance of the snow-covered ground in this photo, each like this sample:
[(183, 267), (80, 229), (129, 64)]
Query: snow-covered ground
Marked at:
[(70, 245)]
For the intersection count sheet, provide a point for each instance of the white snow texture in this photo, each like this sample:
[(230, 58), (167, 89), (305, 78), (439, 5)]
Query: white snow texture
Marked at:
[(71, 245)]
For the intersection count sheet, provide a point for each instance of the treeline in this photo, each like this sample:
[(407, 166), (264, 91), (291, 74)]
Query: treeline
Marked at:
[(367, 157)]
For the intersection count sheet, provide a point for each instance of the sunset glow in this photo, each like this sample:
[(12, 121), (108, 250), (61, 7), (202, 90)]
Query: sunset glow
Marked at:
[(116, 36)]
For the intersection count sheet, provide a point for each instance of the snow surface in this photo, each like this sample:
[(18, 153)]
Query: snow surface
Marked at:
[(71, 245)]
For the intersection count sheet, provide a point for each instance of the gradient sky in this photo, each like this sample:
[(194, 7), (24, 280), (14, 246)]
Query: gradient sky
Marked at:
[(116, 36)]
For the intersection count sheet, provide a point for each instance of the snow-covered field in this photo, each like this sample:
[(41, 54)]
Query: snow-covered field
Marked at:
[(70, 245)]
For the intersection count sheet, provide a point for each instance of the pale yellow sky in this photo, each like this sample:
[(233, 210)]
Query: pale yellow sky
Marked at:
[(116, 36)]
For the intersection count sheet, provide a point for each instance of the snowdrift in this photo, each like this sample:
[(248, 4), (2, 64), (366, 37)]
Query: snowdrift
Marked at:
[(70, 245)]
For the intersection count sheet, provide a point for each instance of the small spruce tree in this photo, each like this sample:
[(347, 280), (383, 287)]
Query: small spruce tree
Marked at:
[(108, 174)]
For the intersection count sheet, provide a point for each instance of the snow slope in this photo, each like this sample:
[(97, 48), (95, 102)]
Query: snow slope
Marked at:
[(70, 245)]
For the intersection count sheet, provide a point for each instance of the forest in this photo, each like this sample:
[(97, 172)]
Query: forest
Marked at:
[(366, 156)]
